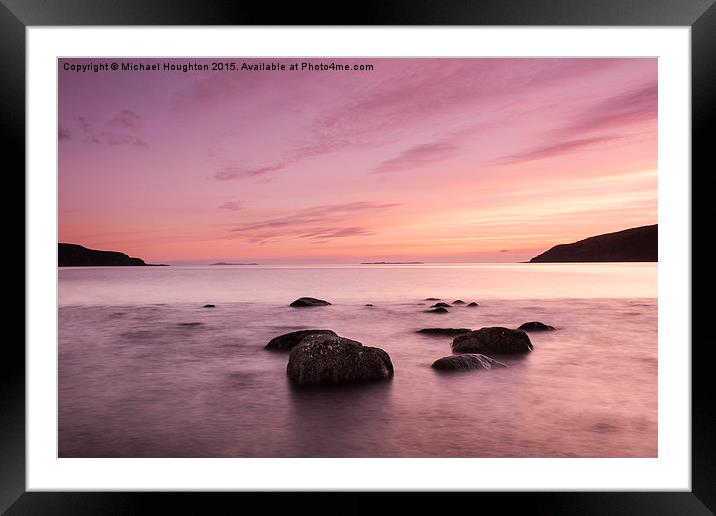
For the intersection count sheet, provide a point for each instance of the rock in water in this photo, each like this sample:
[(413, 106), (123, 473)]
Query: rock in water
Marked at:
[(438, 310), (458, 302), (288, 341), (330, 360), (432, 299), (209, 306), (535, 326), (473, 304), (444, 331), (438, 305), (304, 302), (492, 341), (465, 362)]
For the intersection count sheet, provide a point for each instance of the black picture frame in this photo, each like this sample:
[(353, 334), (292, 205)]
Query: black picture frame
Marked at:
[(700, 15)]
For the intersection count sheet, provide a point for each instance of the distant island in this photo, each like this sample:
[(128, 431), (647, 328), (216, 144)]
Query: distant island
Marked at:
[(229, 263), (74, 255), (391, 263), (630, 245)]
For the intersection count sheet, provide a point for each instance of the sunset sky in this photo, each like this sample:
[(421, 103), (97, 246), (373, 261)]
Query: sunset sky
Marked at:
[(435, 160)]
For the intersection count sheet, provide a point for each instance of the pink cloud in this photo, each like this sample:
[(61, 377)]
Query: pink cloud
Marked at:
[(125, 119), (118, 130), (317, 223), (552, 150), (231, 206), (635, 105), (418, 156), (234, 172)]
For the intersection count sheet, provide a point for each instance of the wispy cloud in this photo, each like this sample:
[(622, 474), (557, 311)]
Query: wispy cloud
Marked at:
[(230, 172), (125, 119), (447, 87), (231, 206), (629, 107), (322, 235), (319, 223), (553, 150), (121, 129), (298, 153), (377, 113), (418, 156), (614, 113)]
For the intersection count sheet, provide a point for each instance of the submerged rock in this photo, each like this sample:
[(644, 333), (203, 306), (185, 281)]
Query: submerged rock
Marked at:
[(492, 341), (190, 324), (458, 302), (472, 305), (432, 299), (444, 331), (209, 306), (330, 359), (535, 326), (288, 341), (369, 304), (305, 302), (438, 305), (438, 310), (465, 362)]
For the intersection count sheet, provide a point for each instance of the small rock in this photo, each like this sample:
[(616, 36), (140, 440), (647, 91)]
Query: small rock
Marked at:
[(535, 326), (492, 341), (472, 305), (190, 324), (465, 362), (458, 302), (330, 359), (432, 299), (209, 306), (438, 310), (288, 341), (438, 305), (305, 302), (368, 304), (444, 331)]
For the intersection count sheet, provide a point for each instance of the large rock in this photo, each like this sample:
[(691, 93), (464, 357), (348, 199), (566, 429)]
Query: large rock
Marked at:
[(493, 341), (288, 341), (438, 310), (439, 305), (305, 302), (473, 305), (458, 302), (328, 359), (465, 362), (535, 326), (444, 331)]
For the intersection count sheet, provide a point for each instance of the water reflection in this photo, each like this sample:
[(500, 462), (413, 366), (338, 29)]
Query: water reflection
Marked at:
[(333, 421), (178, 380)]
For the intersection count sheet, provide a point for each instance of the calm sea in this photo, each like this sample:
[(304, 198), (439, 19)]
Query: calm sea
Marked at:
[(135, 380)]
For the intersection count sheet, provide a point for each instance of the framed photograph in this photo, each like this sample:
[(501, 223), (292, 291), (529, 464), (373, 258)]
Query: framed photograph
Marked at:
[(432, 250)]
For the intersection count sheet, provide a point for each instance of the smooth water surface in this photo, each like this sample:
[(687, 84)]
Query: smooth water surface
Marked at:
[(145, 371)]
